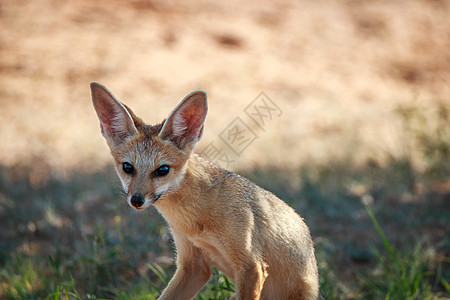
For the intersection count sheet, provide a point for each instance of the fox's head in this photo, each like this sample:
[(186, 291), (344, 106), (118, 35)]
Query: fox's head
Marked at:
[(150, 160)]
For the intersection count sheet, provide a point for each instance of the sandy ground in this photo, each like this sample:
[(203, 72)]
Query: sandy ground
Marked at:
[(336, 70)]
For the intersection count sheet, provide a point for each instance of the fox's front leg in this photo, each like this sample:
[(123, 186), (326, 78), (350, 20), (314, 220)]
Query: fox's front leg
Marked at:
[(193, 271), (249, 281)]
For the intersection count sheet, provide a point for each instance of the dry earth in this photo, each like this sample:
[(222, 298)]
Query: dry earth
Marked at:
[(337, 70)]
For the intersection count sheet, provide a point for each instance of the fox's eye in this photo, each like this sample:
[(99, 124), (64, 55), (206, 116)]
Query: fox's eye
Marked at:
[(162, 171), (128, 168)]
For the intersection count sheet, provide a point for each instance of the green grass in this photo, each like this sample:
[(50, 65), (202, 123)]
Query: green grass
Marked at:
[(112, 258), (73, 237), (399, 275)]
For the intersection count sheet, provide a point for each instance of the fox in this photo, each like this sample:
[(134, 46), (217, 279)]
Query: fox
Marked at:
[(216, 217)]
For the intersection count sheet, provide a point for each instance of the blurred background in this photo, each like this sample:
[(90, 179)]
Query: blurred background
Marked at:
[(362, 90)]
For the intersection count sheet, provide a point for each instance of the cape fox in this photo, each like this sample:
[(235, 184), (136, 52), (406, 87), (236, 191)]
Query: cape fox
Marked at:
[(217, 218)]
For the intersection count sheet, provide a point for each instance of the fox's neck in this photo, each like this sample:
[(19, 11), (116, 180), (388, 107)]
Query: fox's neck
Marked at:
[(201, 183), (201, 175)]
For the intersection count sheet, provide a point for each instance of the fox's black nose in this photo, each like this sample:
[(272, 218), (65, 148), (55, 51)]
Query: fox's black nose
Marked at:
[(137, 201)]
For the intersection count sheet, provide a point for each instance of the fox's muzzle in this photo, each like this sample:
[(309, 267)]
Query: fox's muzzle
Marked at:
[(156, 197)]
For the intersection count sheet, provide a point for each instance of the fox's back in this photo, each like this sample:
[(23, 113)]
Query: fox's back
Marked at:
[(277, 231)]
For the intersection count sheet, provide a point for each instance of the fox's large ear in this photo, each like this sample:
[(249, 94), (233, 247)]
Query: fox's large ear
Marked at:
[(184, 126), (116, 122)]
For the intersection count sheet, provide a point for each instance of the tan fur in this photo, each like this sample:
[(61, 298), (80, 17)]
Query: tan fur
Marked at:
[(217, 218)]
